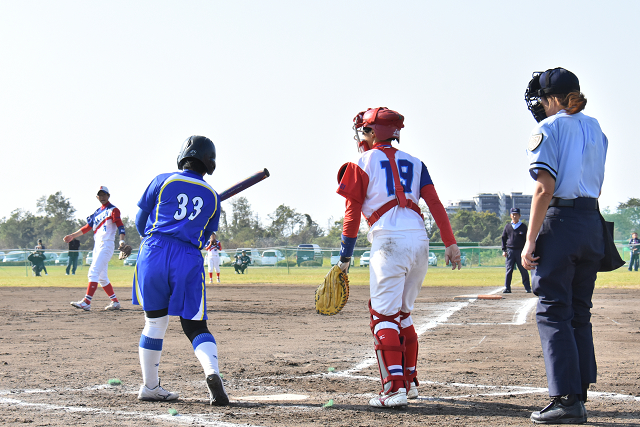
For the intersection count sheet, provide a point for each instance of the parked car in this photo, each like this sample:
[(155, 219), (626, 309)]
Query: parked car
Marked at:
[(335, 257), (50, 258), (364, 259), (308, 252), (256, 259), (63, 258), (131, 259), (463, 260), (89, 258), (433, 259), (271, 257), (16, 256), (224, 257)]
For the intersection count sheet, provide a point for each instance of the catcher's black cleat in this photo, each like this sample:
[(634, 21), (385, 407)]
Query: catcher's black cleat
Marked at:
[(217, 395), (562, 410)]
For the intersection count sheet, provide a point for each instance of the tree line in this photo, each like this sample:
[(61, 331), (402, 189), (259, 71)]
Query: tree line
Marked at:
[(55, 218)]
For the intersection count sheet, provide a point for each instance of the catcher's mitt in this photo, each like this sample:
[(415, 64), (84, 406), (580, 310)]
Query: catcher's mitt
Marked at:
[(333, 294), (125, 251)]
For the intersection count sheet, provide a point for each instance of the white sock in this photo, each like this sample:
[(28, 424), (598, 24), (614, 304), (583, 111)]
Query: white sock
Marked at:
[(150, 349), (206, 350)]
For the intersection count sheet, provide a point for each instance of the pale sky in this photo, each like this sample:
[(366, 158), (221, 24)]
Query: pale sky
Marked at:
[(103, 93)]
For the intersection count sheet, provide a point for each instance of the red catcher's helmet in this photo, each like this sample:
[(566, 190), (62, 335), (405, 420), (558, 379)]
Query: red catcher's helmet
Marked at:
[(385, 123)]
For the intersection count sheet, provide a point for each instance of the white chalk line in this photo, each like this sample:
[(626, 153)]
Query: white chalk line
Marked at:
[(180, 418)]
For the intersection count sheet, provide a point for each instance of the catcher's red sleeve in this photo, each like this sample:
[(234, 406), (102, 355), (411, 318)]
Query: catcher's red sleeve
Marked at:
[(428, 193), (353, 187), (352, 214)]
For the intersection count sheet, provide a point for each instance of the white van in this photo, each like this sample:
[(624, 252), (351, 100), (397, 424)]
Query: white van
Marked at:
[(271, 257)]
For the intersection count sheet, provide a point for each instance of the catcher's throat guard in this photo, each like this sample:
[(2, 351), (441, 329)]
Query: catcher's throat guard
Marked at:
[(333, 293)]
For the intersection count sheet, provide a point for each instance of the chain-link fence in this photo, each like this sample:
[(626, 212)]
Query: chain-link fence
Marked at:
[(309, 256)]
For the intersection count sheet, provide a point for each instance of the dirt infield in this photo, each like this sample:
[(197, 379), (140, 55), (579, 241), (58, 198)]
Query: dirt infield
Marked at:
[(480, 361)]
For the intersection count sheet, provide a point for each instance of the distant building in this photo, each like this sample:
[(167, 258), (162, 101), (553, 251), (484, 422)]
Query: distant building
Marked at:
[(488, 202), (465, 205), (497, 203), (517, 200)]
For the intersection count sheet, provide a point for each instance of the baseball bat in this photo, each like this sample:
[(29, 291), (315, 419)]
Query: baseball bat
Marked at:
[(243, 185)]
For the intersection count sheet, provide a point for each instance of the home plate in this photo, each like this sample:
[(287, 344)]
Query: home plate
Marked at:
[(272, 397), (459, 297)]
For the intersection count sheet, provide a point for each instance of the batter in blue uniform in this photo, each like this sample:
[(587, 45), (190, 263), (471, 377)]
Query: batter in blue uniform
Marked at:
[(178, 212), (564, 244)]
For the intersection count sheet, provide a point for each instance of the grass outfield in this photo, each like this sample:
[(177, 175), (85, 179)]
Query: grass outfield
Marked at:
[(122, 276)]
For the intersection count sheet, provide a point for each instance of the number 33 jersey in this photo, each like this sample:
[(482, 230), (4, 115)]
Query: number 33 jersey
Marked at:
[(181, 206), (370, 181)]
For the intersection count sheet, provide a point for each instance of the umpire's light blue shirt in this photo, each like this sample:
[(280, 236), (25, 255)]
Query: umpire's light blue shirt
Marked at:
[(573, 149)]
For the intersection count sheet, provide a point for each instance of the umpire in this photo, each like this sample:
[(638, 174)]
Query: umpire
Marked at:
[(567, 152), (513, 238)]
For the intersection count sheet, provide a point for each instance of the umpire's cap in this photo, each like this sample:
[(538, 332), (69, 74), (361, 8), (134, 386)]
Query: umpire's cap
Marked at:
[(515, 210), (558, 80)]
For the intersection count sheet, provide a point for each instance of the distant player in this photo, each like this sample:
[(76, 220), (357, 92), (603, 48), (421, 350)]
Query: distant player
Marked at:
[(177, 211), (104, 222), (213, 257), (385, 185)]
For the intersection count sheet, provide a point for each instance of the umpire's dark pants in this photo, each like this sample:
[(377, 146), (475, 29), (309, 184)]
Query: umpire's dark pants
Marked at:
[(570, 246), (514, 257)]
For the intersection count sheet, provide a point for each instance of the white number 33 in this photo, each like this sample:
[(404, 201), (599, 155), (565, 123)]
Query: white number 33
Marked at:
[(183, 200)]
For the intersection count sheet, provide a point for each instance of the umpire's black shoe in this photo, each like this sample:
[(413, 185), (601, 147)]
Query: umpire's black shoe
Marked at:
[(217, 395), (506, 291), (562, 410)]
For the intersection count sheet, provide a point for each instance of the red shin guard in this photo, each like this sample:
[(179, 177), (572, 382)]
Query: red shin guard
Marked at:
[(411, 355), (390, 350)]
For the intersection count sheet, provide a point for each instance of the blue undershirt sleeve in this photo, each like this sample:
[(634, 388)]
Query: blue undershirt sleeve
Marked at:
[(141, 221)]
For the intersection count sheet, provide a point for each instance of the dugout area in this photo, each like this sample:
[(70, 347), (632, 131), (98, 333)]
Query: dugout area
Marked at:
[(480, 361)]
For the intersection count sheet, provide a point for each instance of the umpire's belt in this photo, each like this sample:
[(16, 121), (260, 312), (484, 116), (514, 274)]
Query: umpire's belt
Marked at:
[(585, 203)]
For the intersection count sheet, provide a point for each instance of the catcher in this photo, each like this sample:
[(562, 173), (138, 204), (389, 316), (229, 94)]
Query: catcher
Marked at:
[(104, 223), (384, 185)]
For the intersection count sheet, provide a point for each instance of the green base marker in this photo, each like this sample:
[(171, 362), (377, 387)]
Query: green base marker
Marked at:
[(331, 369), (329, 404), (114, 381), (173, 412)]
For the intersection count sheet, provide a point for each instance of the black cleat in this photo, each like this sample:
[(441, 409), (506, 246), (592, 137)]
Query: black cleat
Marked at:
[(506, 291), (217, 395), (562, 410)]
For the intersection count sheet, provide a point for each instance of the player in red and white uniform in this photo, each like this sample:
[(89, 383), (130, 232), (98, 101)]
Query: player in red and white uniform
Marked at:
[(384, 185), (213, 257), (104, 223)]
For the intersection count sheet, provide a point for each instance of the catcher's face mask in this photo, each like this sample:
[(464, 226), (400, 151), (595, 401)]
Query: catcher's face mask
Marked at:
[(358, 124)]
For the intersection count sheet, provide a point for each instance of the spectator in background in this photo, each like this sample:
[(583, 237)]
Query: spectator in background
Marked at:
[(513, 239), (635, 251), (72, 261), (40, 250), (242, 261)]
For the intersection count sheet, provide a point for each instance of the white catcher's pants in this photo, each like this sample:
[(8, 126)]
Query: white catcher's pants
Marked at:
[(102, 253), (213, 263), (398, 265)]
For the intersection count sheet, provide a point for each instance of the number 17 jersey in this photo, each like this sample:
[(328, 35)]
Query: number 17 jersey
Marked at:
[(182, 206)]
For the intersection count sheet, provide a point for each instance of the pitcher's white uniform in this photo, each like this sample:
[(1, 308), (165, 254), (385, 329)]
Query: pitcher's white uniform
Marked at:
[(104, 223), (213, 256)]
